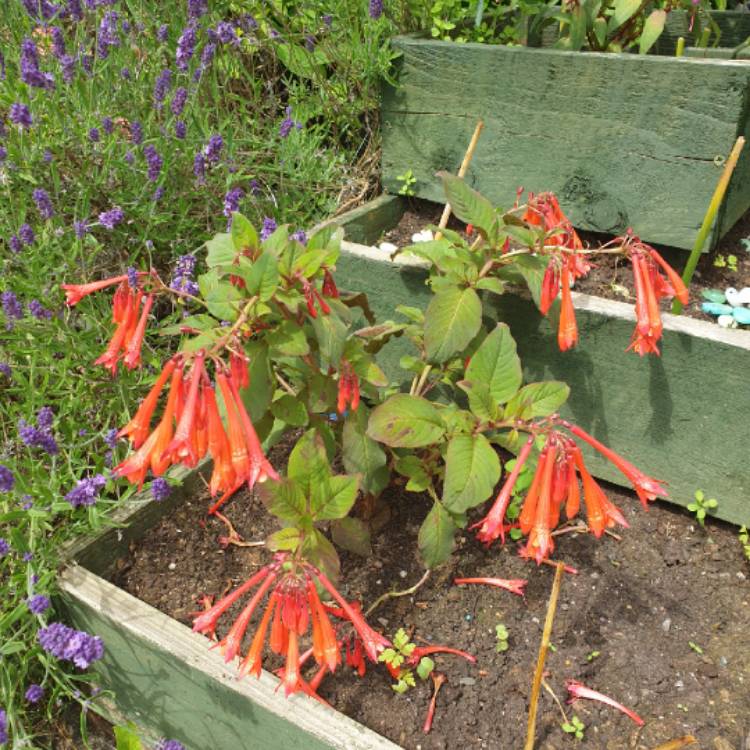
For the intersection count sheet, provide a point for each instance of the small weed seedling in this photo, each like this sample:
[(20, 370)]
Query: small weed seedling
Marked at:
[(726, 261), (575, 727), (744, 538), (695, 647), (501, 634), (395, 657), (702, 506), (408, 181), (593, 655)]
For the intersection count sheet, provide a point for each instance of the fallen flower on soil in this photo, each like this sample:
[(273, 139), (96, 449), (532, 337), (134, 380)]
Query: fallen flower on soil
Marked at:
[(578, 690), (515, 586), (438, 680)]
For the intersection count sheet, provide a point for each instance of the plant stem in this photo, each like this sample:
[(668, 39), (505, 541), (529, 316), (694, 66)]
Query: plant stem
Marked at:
[(546, 686), (394, 594), (680, 51), (543, 646), (708, 219), (461, 173)]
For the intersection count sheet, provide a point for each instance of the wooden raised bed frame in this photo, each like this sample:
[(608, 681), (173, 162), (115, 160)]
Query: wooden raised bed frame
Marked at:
[(624, 140)]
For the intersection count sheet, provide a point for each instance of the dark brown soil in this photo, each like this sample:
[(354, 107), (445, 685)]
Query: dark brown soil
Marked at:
[(639, 602), (611, 277)]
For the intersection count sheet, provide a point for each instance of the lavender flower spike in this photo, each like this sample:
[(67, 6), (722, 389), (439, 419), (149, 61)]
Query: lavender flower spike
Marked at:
[(43, 203), (71, 645), (110, 219)]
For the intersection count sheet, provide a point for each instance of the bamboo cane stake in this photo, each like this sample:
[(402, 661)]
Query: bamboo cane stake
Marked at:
[(461, 173), (543, 646), (708, 219)]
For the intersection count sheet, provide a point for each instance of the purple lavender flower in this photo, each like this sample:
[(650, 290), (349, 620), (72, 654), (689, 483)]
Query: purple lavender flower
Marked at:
[(110, 219), (154, 162), (180, 129), (80, 228), (212, 151), (162, 86), (269, 227), (310, 43), (107, 35), (136, 132), (86, 491), (327, 20), (254, 187), (38, 604), (207, 55), (248, 23), (158, 194), (39, 311), (34, 693), (110, 437), (47, 156), (160, 489), (28, 556), (74, 10), (3, 727), (11, 307), (376, 9), (44, 418), (19, 115), (15, 244), (288, 123), (199, 167), (40, 10), (232, 202), (300, 235), (3, 153), (225, 32), (39, 436), (4, 547), (162, 33), (182, 278), (71, 645), (108, 125), (196, 8), (129, 157), (178, 101), (26, 233), (186, 46), (132, 277), (5, 370), (43, 203), (68, 67), (94, 136), (166, 744), (29, 65), (7, 480), (58, 41), (125, 26), (125, 74)]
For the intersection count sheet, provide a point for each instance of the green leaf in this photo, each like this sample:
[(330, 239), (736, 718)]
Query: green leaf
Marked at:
[(652, 29), (578, 25), (481, 403), (286, 499), (290, 410), (600, 31), (491, 284), (405, 421), (436, 536), (412, 467), (496, 363), (334, 497), (362, 455), (244, 236), (467, 204), (425, 667), (538, 400), (331, 335), (320, 552), (472, 470), (352, 535), (623, 10), (221, 250), (257, 397), (308, 462), (126, 738), (263, 276), (452, 319), (223, 301), (284, 540), (288, 338)]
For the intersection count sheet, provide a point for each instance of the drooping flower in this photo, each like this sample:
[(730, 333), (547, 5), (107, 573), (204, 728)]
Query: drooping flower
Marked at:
[(312, 295), (348, 394), (19, 114), (515, 586), (329, 287), (43, 203), (86, 492), (68, 644), (110, 219), (578, 690)]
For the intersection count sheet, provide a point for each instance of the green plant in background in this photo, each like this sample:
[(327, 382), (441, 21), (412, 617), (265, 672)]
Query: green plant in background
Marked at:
[(396, 656), (744, 537), (407, 180), (501, 638), (575, 727), (726, 261), (702, 506)]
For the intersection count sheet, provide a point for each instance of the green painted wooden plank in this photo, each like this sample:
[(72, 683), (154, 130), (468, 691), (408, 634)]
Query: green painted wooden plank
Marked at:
[(166, 679), (624, 140), (366, 223), (681, 417)]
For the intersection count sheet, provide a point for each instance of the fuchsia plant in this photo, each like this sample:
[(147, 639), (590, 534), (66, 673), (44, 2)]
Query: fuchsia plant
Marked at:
[(272, 346)]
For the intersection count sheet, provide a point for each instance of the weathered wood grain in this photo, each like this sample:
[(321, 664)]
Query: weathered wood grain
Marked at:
[(624, 140), (733, 24), (166, 679), (366, 223), (681, 417)]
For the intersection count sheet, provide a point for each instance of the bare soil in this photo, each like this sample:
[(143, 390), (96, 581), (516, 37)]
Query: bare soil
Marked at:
[(611, 277), (624, 626)]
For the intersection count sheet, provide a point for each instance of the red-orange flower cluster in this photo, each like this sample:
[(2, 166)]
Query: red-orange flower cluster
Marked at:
[(191, 427), (556, 483), (293, 604), (348, 388)]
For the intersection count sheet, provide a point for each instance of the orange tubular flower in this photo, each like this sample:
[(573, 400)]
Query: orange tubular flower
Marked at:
[(111, 355), (567, 334), (138, 427), (348, 388), (541, 543), (329, 285), (600, 512), (183, 448), (648, 326), (678, 287), (238, 370), (491, 526), (159, 464), (222, 477), (74, 293), (133, 353), (135, 467)]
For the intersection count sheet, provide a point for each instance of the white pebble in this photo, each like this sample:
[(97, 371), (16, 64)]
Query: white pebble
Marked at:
[(733, 296), (744, 295), (417, 237), (403, 573), (427, 235), (387, 247), (172, 566), (726, 321)]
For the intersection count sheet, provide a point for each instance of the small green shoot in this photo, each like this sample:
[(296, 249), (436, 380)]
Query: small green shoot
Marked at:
[(683, 707), (501, 634), (726, 261), (695, 647), (744, 538), (575, 727), (552, 647), (702, 506), (407, 180), (593, 655), (396, 656)]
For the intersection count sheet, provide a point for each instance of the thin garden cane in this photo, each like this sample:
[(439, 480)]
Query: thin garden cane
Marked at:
[(708, 219), (461, 173), (543, 647)]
